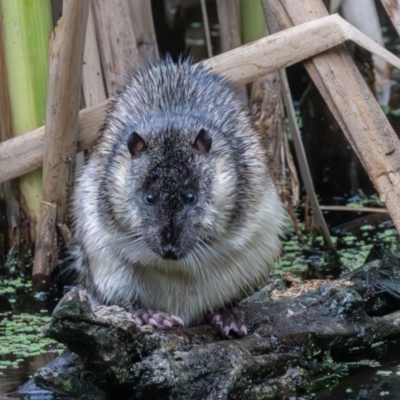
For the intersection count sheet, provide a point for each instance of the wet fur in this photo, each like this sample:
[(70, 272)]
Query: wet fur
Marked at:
[(228, 242)]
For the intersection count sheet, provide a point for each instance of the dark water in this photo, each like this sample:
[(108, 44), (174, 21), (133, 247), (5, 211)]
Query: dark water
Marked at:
[(21, 343), (13, 378), (371, 383)]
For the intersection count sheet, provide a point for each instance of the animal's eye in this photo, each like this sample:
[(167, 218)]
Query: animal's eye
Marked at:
[(189, 197), (149, 199)]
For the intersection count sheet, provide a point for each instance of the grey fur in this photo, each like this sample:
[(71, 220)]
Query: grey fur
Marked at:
[(225, 242)]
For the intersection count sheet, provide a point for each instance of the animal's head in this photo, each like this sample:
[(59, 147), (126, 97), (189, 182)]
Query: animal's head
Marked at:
[(179, 154), (172, 173)]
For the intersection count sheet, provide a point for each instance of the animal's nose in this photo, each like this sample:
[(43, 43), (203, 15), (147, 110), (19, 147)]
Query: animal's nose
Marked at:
[(170, 252)]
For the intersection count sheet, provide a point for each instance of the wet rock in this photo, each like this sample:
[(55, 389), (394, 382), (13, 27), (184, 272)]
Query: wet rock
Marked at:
[(293, 328)]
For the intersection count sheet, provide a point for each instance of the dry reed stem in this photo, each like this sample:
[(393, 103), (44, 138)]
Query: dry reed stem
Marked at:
[(303, 165), (63, 102), (242, 65), (143, 26), (46, 250), (230, 29), (92, 77), (117, 40), (354, 209), (93, 89), (61, 129), (206, 27), (274, 27), (392, 8), (351, 102), (366, 19), (229, 25)]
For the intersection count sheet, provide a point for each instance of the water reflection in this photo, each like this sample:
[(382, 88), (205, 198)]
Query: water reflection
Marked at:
[(12, 378)]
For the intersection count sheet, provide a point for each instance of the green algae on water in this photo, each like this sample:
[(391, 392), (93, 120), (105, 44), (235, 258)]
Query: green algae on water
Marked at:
[(21, 332)]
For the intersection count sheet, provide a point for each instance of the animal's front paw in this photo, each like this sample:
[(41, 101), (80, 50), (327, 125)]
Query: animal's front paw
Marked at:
[(229, 320), (157, 319)]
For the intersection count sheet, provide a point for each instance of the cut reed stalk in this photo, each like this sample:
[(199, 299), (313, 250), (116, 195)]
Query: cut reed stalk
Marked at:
[(61, 132)]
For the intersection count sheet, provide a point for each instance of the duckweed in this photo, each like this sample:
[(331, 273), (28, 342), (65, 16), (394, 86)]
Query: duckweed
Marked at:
[(352, 251), (21, 332)]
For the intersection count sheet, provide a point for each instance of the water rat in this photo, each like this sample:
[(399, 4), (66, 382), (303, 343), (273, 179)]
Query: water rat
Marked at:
[(176, 215)]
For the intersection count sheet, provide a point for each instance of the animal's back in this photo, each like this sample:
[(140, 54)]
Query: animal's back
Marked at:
[(176, 210)]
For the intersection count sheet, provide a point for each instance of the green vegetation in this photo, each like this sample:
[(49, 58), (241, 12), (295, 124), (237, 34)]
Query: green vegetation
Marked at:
[(252, 19), (21, 333), (352, 250), (27, 25)]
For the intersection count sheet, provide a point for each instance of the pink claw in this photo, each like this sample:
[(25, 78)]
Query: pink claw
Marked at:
[(156, 319), (229, 320)]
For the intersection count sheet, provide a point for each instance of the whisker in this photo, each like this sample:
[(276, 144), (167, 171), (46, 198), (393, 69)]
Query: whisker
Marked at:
[(203, 259), (126, 238), (230, 244)]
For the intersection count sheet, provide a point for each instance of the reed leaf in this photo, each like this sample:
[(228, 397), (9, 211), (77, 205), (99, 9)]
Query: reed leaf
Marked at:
[(27, 25)]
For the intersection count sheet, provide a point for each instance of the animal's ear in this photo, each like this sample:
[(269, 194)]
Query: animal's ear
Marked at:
[(203, 141), (136, 144)]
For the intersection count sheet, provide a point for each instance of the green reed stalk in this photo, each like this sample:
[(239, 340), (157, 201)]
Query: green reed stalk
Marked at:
[(27, 25)]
